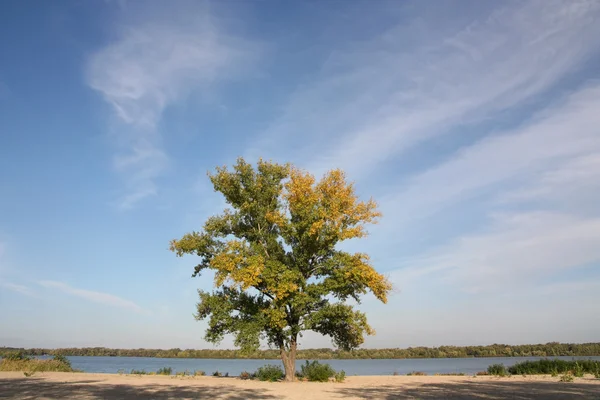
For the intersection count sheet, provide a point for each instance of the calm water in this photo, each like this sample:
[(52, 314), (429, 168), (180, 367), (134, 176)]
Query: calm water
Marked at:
[(352, 367)]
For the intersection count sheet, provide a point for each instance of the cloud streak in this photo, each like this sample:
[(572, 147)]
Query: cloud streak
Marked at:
[(151, 65), (95, 297), (24, 290), (398, 93), (540, 188)]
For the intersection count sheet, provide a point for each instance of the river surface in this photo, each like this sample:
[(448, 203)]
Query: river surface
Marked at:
[(352, 367)]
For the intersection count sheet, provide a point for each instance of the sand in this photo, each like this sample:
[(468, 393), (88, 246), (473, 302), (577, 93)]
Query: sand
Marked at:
[(58, 385)]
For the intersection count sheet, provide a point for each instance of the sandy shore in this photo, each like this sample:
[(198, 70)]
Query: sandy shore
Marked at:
[(57, 385)]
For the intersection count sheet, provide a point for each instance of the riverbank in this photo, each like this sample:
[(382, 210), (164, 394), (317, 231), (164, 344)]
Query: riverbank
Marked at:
[(87, 386), (551, 350)]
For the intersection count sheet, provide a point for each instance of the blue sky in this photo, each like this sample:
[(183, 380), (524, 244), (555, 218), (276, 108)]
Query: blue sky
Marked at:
[(475, 125)]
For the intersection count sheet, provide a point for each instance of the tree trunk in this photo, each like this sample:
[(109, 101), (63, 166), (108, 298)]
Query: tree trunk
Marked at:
[(289, 361)]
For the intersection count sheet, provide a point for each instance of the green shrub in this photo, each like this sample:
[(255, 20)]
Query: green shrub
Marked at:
[(547, 367), (138, 372), (567, 377), (497, 370), (165, 371), (245, 375), (217, 373), (199, 373), (340, 376), (271, 373), (416, 373), (597, 374), (317, 372)]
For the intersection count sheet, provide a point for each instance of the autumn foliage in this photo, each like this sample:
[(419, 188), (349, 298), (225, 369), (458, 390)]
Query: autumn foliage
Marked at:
[(278, 270)]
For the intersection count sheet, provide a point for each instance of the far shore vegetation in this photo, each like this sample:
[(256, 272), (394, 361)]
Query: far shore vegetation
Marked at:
[(495, 350)]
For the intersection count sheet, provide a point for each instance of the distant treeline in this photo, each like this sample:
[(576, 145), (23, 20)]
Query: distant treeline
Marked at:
[(494, 350)]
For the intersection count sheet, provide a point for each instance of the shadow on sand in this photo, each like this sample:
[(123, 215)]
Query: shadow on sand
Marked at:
[(35, 388), (487, 390)]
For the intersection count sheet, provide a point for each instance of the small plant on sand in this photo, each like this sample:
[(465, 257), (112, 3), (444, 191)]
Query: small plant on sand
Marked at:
[(482, 373), (199, 373), (138, 372), (567, 377), (554, 373), (396, 373), (245, 375), (183, 373), (317, 372), (271, 373), (497, 370), (340, 376), (416, 373), (165, 371), (217, 373), (121, 371), (28, 374)]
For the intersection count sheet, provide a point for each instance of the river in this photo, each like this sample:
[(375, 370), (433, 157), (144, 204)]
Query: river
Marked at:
[(352, 367)]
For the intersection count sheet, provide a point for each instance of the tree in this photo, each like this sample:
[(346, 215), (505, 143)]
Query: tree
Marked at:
[(277, 269)]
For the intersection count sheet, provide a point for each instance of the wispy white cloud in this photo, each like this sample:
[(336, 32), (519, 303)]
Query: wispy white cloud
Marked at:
[(538, 156), (378, 98), (17, 288), (96, 297), (541, 189), (153, 64)]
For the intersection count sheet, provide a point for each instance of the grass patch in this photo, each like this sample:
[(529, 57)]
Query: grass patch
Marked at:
[(199, 373), (497, 370), (138, 372), (567, 377), (165, 371), (20, 362), (417, 373), (555, 367)]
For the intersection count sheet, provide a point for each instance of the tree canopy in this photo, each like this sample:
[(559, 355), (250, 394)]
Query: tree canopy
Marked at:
[(278, 269)]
